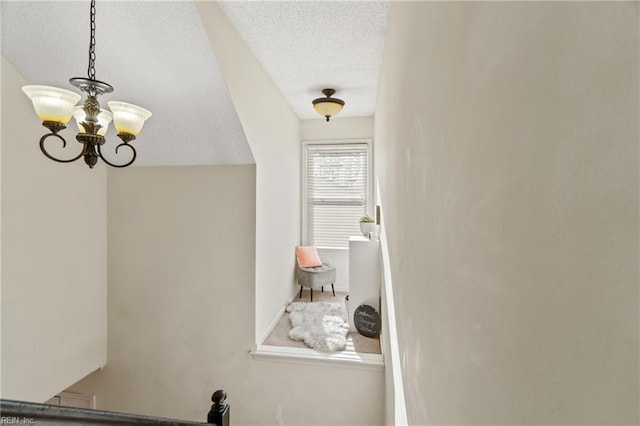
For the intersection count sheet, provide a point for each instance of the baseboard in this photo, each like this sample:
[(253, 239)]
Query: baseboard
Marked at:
[(293, 295), (273, 324), (275, 320), (290, 300)]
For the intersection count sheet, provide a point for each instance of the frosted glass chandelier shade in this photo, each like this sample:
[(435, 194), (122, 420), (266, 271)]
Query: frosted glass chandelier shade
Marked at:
[(55, 107), (104, 118), (52, 103), (328, 108), (128, 118)]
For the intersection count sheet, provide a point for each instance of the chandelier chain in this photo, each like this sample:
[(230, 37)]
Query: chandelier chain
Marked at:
[(92, 43)]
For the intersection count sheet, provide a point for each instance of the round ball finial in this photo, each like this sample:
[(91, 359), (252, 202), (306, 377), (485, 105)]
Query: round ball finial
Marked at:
[(219, 396)]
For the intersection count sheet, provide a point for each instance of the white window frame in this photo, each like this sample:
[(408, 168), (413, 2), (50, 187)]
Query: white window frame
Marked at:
[(370, 181)]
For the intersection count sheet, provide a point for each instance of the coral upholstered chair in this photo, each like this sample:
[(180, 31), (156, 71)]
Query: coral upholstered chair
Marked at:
[(312, 272)]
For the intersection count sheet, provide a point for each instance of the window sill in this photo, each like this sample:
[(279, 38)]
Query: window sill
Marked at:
[(309, 356)]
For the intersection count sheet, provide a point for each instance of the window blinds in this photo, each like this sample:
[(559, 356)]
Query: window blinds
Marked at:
[(336, 193)]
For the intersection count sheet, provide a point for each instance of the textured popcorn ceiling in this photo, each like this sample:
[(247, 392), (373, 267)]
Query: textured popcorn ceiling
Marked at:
[(306, 46), (156, 54)]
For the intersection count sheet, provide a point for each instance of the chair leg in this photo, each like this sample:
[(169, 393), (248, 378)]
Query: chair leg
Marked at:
[(300, 297), (312, 294), (322, 289), (333, 290)]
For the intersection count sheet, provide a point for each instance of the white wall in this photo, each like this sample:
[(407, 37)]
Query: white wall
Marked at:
[(273, 133), (2, 66), (53, 257), (181, 309), (395, 408), (507, 149), (337, 129)]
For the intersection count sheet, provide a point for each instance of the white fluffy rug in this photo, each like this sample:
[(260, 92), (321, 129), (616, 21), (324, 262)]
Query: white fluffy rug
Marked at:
[(321, 325)]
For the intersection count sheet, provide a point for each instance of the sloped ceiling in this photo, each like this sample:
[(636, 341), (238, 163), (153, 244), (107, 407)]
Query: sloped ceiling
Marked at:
[(156, 54)]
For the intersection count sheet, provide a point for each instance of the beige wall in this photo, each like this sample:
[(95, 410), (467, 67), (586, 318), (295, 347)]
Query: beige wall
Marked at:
[(181, 309), (394, 400), (273, 133), (337, 128), (507, 149), (54, 239)]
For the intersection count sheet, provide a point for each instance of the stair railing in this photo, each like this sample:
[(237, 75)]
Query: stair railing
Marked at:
[(26, 413)]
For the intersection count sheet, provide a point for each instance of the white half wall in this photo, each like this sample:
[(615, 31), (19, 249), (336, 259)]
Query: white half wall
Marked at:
[(507, 150), (54, 259), (181, 310), (273, 133), (395, 406)]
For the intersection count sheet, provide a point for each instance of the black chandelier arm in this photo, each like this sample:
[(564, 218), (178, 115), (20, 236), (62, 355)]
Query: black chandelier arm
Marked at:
[(133, 158), (64, 144)]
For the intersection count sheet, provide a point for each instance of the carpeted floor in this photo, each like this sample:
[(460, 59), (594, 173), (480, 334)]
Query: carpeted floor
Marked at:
[(355, 341)]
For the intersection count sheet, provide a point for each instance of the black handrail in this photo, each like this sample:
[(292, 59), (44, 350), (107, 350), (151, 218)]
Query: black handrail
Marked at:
[(25, 413)]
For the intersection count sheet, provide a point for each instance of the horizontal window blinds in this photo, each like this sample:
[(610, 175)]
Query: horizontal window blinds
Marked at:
[(337, 192)]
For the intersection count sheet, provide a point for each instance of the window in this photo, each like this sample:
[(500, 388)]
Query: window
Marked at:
[(336, 191)]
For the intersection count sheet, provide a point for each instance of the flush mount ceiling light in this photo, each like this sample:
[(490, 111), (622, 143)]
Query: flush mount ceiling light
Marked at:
[(55, 107), (328, 107)]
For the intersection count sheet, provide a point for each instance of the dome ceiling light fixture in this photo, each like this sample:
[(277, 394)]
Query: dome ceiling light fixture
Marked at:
[(328, 107), (55, 107)]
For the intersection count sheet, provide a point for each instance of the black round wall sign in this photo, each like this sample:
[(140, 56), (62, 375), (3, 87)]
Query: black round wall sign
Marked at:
[(367, 321)]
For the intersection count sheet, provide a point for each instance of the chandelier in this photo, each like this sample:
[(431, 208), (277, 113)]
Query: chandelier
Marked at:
[(328, 106), (55, 107)]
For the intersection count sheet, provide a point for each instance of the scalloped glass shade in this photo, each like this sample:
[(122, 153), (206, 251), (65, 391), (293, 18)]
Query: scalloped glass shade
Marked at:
[(128, 118), (104, 118), (51, 103)]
